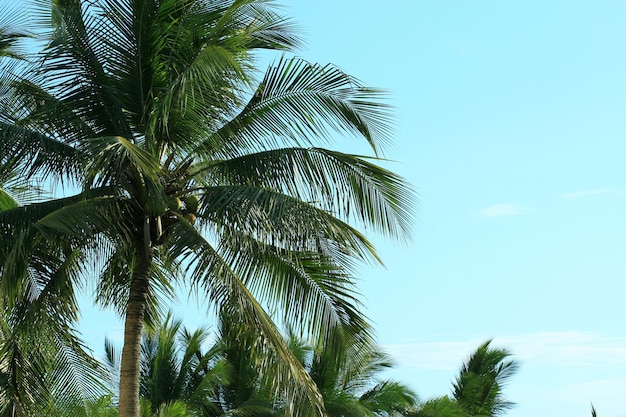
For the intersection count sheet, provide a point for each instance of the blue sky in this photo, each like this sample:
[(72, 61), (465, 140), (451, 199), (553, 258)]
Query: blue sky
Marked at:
[(510, 124)]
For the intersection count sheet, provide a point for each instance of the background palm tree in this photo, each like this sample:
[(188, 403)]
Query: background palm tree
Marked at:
[(478, 387), (177, 371), (227, 379), (189, 167), (346, 373)]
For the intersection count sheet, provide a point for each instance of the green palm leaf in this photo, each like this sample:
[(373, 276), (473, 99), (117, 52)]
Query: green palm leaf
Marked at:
[(346, 185), (299, 102), (222, 286)]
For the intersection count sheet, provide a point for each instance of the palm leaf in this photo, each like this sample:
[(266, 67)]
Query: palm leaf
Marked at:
[(226, 290), (298, 102), (282, 220), (313, 291), (347, 185)]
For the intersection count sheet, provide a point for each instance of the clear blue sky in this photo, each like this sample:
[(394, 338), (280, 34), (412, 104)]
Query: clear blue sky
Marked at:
[(511, 126)]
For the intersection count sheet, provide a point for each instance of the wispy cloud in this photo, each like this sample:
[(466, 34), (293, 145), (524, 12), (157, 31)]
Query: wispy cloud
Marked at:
[(499, 210), (563, 348), (592, 192)]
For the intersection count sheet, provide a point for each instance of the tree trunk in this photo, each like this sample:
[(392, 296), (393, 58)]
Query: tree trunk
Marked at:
[(131, 353)]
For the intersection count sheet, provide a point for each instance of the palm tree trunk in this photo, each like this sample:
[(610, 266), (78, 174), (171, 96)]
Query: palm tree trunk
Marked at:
[(131, 353)]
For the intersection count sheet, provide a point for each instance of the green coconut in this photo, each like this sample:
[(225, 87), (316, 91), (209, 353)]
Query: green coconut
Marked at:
[(192, 202), (191, 218), (175, 204)]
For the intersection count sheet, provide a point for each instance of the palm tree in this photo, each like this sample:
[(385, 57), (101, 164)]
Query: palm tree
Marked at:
[(175, 368), (346, 374), (175, 371), (440, 407), (477, 390), (478, 387), (190, 168), (227, 379), (44, 368)]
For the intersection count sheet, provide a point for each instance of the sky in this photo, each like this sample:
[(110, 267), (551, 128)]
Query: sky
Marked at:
[(510, 125)]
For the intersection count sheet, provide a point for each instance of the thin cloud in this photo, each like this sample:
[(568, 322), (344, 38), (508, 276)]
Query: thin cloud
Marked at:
[(500, 210), (562, 349), (588, 193), (419, 354)]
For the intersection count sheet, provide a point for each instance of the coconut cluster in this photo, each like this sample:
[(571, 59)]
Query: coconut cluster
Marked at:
[(192, 202), (169, 211), (187, 207)]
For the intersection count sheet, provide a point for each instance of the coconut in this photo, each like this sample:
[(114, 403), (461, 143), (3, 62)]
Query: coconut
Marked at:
[(191, 203), (175, 204), (191, 218)]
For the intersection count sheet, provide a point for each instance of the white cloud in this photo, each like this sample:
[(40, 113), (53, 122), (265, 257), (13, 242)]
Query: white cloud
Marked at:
[(568, 348), (502, 210), (562, 349)]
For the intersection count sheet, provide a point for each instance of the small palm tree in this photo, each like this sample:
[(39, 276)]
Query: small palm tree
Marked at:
[(346, 374), (477, 390), (179, 373), (478, 387), (176, 372), (440, 407)]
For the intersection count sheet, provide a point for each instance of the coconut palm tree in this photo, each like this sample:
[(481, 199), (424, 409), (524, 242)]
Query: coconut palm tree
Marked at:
[(189, 167), (478, 387)]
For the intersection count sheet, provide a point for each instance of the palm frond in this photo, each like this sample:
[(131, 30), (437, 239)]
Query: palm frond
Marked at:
[(115, 155), (283, 221), (39, 153), (226, 290), (348, 186), (314, 292), (302, 103), (75, 70)]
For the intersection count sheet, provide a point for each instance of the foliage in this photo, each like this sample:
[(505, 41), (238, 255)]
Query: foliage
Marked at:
[(478, 387), (227, 378), (346, 374), (440, 407), (191, 167)]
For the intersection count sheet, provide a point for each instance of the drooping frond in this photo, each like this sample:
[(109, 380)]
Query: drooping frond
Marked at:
[(215, 278), (313, 291), (349, 186), (282, 220), (302, 103)]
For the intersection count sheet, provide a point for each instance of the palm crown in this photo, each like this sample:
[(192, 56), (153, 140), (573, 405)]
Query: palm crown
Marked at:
[(190, 167)]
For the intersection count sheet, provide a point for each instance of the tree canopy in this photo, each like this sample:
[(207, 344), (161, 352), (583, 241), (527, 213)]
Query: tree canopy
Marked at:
[(182, 161)]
